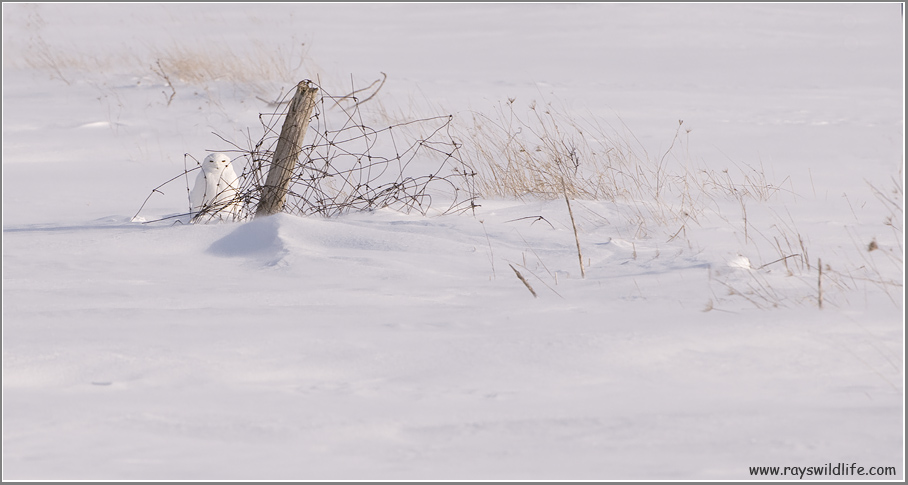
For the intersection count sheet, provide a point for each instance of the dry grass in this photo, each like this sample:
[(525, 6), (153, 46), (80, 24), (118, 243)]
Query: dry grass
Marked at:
[(200, 65), (544, 153), (530, 152), (256, 67), (68, 65)]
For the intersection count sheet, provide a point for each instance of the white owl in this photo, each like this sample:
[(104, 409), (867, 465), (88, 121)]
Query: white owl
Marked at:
[(216, 191)]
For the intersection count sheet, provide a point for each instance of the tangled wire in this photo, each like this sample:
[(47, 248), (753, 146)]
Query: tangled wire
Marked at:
[(348, 166)]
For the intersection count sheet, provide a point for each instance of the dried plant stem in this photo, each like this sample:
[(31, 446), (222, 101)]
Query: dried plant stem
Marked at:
[(491, 254), (546, 268), (384, 78), (744, 211), (353, 93), (780, 259), (164, 75), (820, 282), (784, 258), (523, 280), (574, 225)]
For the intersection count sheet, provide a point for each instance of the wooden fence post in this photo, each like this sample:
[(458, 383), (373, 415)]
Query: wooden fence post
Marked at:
[(289, 147)]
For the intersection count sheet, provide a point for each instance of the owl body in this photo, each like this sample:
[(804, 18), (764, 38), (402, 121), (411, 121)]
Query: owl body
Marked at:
[(216, 190)]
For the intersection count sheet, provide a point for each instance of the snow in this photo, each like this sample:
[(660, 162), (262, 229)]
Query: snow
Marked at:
[(386, 345)]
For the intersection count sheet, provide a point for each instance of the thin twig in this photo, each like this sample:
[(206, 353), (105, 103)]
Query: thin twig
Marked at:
[(273, 104), (164, 75), (676, 233), (353, 93), (820, 282), (523, 280), (384, 78), (491, 254), (546, 268), (780, 259), (156, 189), (524, 266), (576, 237), (535, 220)]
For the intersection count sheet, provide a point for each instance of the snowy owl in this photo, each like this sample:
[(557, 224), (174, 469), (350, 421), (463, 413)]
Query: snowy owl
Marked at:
[(216, 189)]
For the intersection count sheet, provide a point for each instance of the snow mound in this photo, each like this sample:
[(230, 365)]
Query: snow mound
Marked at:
[(261, 236)]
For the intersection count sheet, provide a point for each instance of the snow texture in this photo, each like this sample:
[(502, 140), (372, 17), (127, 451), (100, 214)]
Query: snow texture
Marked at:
[(384, 345)]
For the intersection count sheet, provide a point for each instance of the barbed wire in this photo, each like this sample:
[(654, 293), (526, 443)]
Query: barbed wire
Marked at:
[(348, 166)]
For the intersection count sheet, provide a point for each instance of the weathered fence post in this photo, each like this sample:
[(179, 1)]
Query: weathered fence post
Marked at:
[(289, 146)]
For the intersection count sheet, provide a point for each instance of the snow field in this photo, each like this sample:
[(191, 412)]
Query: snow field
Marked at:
[(398, 346)]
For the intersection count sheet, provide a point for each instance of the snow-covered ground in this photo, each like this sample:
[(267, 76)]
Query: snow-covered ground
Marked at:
[(385, 345)]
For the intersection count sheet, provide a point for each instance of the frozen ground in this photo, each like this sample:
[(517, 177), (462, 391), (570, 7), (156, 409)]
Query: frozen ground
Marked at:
[(396, 346)]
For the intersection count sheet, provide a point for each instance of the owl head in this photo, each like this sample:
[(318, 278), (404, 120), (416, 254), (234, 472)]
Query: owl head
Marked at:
[(215, 163)]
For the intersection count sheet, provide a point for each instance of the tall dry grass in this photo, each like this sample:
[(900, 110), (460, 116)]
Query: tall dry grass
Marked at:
[(540, 152), (255, 66), (545, 153)]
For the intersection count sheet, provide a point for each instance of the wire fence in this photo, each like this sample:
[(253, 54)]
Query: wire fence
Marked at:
[(346, 166)]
